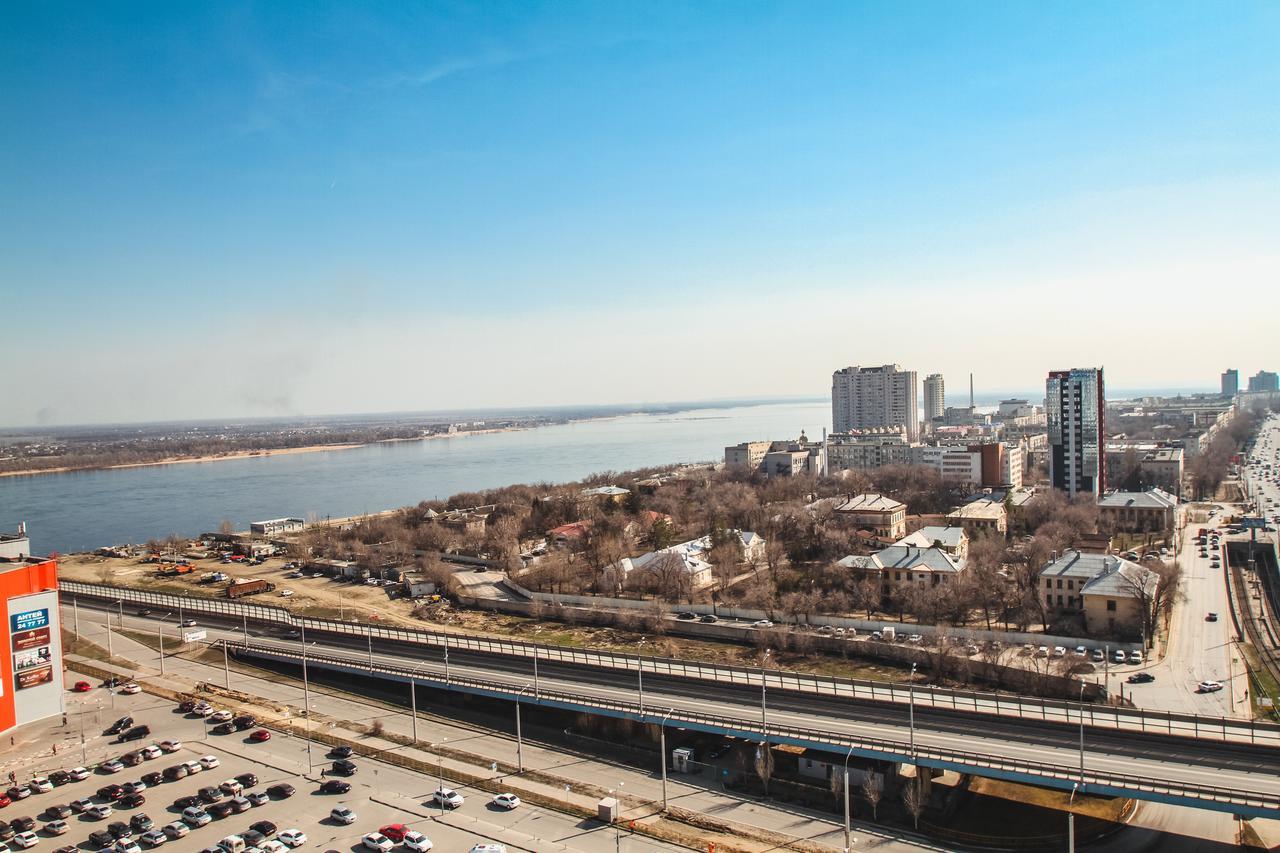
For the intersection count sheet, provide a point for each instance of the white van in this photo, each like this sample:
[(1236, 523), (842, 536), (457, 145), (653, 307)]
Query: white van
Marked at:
[(232, 844)]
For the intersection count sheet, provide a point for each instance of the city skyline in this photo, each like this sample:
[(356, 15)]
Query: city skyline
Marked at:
[(331, 210)]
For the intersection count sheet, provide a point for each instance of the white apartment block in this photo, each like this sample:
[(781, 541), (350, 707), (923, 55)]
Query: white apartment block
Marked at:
[(955, 464), (935, 397), (864, 397), (866, 450)]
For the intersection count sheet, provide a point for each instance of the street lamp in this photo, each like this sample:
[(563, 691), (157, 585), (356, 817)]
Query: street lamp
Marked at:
[(911, 708), (440, 771), (1081, 706), (519, 736), (306, 694), (847, 840), (160, 638), (662, 747), (764, 722), (1071, 822), (413, 698), (640, 683)]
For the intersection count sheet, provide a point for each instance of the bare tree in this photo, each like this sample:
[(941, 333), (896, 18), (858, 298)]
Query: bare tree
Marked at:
[(871, 792), (764, 765), (913, 799), (226, 528)]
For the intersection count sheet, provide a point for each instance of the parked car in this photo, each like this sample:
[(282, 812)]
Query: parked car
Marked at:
[(1141, 678), (416, 841), (506, 801), (170, 745), (131, 801), (447, 797), (343, 815), (762, 623), (377, 841), (334, 786), (281, 791), (177, 829), (708, 618), (293, 837), (257, 798)]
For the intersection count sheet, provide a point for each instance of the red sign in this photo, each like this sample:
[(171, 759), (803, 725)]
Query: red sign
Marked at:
[(30, 639)]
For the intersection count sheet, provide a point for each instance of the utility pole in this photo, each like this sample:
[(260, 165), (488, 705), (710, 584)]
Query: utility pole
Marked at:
[(75, 609), (662, 746), (306, 694), (226, 667), (911, 709), (846, 800), (640, 683)]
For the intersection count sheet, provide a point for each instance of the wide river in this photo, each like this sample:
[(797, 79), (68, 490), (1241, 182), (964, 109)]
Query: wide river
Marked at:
[(85, 510)]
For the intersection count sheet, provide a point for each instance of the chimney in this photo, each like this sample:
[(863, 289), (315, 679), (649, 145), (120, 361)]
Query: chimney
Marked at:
[(22, 528)]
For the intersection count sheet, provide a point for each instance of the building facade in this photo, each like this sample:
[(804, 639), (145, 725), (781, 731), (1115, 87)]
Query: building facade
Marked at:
[(881, 515), (1152, 511), (935, 397), (31, 670), (1230, 382), (1264, 380), (885, 396), (1075, 408), (866, 450), (1109, 592)]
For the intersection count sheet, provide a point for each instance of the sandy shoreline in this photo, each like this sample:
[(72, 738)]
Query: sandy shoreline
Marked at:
[(252, 454)]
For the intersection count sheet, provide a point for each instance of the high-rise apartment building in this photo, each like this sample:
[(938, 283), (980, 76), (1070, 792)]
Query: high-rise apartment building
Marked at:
[(869, 397), (1230, 382), (1075, 407), (935, 399), (1264, 380)]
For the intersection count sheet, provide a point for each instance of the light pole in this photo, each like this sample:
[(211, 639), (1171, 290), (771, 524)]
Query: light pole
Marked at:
[(764, 721), (1081, 706), (440, 771), (1071, 822), (75, 610), (446, 662), (640, 686), (160, 638), (413, 699), (120, 607), (662, 746), (306, 695), (369, 636), (519, 736), (226, 666), (911, 708), (536, 695), (845, 787)]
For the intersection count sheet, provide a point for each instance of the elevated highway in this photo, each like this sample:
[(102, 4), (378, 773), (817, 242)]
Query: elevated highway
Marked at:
[(1211, 763)]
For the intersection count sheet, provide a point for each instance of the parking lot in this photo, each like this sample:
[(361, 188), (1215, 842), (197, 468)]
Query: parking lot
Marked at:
[(380, 794)]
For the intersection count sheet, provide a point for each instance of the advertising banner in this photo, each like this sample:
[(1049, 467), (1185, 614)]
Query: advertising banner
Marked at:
[(33, 677), (30, 639), (29, 620)]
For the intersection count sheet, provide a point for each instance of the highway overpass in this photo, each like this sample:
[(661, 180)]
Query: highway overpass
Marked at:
[(1226, 765)]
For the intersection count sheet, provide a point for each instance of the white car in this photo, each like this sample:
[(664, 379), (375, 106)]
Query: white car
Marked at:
[(41, 785), (193, 767), (208, 762), (506, 801), (416, 841), (99, 811), (1097, 656), (127, 845), (1059, 651), (293, 837), (202, 710), (176, 830), (343, 815), (447, 797), (271, 845), (1042, 652), (286, 593), (26, 839), (154, 838), (1135, 656), (56, 827), (195, 817), (131, 688), (151, 752), (170, 745), (80, 806), (1081, 651), (221, 717), (762, 623), (1209, 687), (78, 773), (187, 623), (489, 848), (377, 841), (1118, 656), (112, 766)]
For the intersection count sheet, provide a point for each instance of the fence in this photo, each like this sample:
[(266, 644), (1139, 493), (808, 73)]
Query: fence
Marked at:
[(753, 728), (1041, 710)]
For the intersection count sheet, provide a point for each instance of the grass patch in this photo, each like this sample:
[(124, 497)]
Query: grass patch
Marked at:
[(72, 645), (1261, 684)]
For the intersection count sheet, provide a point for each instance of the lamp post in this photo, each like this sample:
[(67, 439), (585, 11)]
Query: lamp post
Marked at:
[(536, 695), (845, 787), (440, 772), (160, 638), (519, 736), (662, 746), (764, 721), (1081, 707), (413, 699), (911, 708), (306, 695), (640, 686), (75, 610), (446, 662), (120, 608), (1071, 822), (226, 666)]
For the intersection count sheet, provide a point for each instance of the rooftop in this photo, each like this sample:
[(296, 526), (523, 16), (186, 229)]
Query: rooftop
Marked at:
[(871, 503), (1150, 499), (927, 537), (609, 491), (983, 507), (908, 557), (1104, 574)]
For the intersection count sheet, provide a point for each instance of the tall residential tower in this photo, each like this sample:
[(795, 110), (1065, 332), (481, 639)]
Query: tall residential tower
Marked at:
[(1230, 382), (1075, 406), (866, 397), (935, 398)]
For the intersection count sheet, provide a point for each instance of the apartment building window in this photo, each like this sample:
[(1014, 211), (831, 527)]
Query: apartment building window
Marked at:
[(1111, 605), (1048, 599), (1071, 584), (1059, 584), (1059, 600)]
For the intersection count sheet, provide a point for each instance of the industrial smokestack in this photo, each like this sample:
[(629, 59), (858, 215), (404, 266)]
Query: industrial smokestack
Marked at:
[(971, 390)]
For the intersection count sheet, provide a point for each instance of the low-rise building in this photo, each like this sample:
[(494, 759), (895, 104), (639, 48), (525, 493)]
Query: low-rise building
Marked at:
[(1111, 593), (15, 545), (276, 526), (470, 520), (868, 449), (1152, 511), (616, 494), (953, 540), (693, 557), (1163, 468), (903, 564), (879, 514), (983, 514), (779, 458)]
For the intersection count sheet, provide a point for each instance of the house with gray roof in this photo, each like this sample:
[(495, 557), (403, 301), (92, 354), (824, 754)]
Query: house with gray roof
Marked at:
[(1110, 592), (1152, 511)]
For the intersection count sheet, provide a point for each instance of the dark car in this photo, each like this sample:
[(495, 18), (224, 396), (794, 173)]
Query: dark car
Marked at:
[(141, 823), (120, 829), (334, 786), (101, 838), (708, 618), (1141, 678), (57, 812), (223, 729), (22, 824), (344, 767), (340, 752), (131, 801), (187, 802), (244, 721), (209, 794), (135, 733), (220, 810), (111, 793), (248, 780), (119, 725), (134, 787), (59, 777), (264, 827), (131, 759), (282, 791), (687, 615), (174, 773), (186, 706), (252, 838), (152, 779), (6, 831)]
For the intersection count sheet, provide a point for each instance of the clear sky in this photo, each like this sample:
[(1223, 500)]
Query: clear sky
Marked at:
[(275, 208)]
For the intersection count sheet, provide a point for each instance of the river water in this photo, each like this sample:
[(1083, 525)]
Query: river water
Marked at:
[(85, 510)]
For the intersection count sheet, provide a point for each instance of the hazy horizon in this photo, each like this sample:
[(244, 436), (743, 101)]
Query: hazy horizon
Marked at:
[(336, 208)]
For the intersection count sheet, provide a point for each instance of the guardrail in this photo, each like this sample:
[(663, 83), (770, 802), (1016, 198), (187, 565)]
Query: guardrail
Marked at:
[(1040, 710), (753, 728)]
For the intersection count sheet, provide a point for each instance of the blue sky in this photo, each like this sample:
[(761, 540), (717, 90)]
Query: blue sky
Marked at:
[(240, 209)]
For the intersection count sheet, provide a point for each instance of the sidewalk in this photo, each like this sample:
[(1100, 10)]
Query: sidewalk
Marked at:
[(577, 780)]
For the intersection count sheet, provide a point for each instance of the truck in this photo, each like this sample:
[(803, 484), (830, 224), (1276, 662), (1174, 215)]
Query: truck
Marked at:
[(173, 569), (239, 589)]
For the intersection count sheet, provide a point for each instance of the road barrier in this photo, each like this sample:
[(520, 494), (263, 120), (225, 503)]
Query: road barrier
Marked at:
[(973, 702)]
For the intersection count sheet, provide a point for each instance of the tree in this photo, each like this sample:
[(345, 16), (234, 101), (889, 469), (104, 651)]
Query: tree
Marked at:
[(913, 799), (226, 528), (871, 792), (764, 765)]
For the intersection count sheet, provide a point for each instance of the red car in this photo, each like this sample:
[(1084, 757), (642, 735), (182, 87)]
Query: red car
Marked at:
[(4, 800), (82, 687), (260, 735), (395, 831)]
